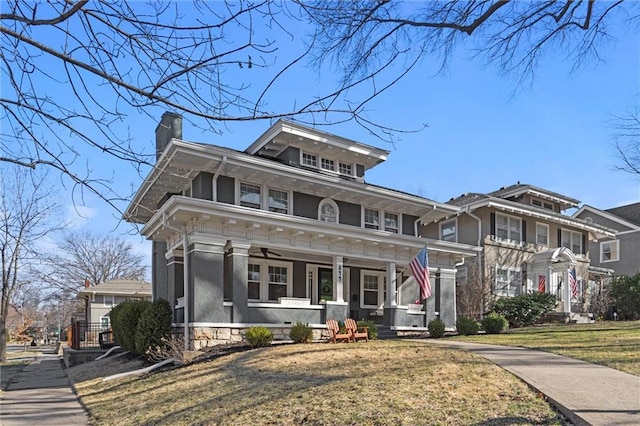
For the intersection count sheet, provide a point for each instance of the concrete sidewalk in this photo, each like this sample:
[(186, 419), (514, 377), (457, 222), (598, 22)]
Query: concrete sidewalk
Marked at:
[(41, 394), (587, 394)]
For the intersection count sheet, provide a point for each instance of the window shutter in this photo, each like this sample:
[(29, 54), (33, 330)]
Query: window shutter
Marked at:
[(524, 231), (493, 223), (584, 244), (559, 238)]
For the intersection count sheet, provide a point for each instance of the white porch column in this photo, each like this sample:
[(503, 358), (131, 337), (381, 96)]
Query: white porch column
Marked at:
[(338, 280), (566, 290), (392, 287), (549, 277)]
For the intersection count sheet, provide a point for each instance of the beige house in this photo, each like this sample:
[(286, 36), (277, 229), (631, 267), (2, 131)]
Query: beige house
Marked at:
[(100, 298), (528, 243)]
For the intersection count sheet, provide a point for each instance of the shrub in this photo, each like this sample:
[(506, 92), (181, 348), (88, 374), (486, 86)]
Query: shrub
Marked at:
[(154, 326), (258, 337), (525, 309), (372, 328), (125, 322), (436, 328), (467, 326), (494, 323), (301, 333), (625, 295)]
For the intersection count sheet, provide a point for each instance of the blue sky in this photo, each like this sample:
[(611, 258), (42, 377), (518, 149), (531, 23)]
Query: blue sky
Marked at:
[(484, 131)]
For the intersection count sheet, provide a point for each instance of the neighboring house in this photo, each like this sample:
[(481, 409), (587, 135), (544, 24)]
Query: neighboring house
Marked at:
[(100, 298), (621, 252), (286, 231), (528, 244)]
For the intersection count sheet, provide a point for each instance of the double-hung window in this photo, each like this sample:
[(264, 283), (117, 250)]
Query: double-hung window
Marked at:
[(542, 234), (391, 222), (508, 227), (571, 240), (609, 251), (269, 280), (448, 231), (278, 282), (278, 201), (254, 281), (250, 195), (372, 289), (108, 300), (507, 282), (371, 219)]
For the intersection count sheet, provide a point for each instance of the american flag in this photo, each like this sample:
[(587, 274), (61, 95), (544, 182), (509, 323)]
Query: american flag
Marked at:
[(420, 269), (542, 283), (573, 283)]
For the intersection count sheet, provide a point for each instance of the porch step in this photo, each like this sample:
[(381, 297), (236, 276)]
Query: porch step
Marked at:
[(581, 318), (385, 333)]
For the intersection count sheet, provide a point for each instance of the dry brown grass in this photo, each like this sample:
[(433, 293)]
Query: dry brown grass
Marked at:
[(375, 383)]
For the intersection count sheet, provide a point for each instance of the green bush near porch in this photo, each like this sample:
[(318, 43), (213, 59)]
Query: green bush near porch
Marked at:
[(494, 323), (124, 322), (525, 309), (372, 328), (258, 337), (467, 326), (301, 333), (436, 328)]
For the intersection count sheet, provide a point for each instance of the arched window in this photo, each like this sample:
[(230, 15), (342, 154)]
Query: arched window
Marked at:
[(328, 211)]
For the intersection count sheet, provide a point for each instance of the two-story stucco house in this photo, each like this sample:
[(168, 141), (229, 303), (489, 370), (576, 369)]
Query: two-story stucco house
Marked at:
[(287, 230), (99, 299), (621, 252), (528, 243)]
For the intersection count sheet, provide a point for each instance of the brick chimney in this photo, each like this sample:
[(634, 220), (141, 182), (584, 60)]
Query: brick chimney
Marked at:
[(170, 127), (87, 283)]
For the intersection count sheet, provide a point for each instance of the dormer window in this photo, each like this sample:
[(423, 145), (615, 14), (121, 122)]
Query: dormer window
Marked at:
[(541, 204), (345, 169), (310, 160), (328, 211), (328, 164)]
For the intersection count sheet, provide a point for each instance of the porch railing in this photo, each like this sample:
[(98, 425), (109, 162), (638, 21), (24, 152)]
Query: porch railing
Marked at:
[(90, 335)]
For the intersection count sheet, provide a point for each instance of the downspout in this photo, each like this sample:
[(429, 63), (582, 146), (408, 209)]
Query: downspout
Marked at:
[(215, 178), (185, 278)]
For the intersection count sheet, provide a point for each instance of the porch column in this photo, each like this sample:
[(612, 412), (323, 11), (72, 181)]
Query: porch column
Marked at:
[(549, 277), (392, 286), (205, 261), (338, 279), (238, 256), (448, 297), (175, 282), (430, 303), (566, 290)]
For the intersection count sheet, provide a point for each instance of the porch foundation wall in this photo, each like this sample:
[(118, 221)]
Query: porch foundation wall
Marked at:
[(204, 337)]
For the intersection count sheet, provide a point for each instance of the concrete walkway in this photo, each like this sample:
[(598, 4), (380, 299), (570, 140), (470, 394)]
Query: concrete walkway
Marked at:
[(587, 394), (41, 394)]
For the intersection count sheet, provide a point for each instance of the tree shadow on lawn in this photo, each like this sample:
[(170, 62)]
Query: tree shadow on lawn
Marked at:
[(510, 420)]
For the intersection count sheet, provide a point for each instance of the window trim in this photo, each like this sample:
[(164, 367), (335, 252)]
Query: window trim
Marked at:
[(319, 166), (315, 157), (364, 220), (239, 194), (381, 220), (571, 233), (547, 227), (381, 288), (335, 206), (268, 195), (264, 196), (264, 278), (351, 166), (509, 218), (455, 229), (617, 252), (518, 287)]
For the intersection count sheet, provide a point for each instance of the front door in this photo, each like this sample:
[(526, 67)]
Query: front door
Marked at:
[(325, 281)]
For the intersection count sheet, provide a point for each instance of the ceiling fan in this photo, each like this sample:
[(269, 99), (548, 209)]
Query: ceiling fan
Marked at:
[(266, 252)]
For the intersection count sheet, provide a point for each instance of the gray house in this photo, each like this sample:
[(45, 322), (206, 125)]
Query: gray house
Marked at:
[(287, 230), (528, 244), (621, 252)]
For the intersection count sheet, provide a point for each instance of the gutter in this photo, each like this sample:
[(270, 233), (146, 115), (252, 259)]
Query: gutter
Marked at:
[(185, 278), (215, 178)]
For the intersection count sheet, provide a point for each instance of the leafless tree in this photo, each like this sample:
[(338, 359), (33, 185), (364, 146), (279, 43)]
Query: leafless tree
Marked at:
[(97, 258), (28, 213), (473, 291), (76, 74), (363, 37), (627, 141)]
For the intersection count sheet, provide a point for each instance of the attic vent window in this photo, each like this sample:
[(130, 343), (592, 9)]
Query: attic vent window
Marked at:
[(542, 204)]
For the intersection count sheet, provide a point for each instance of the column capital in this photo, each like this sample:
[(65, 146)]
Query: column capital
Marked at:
[(238, 246)]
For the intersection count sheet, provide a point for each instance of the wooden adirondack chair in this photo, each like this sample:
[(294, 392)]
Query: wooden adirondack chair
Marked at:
[(334, 332), (355, 331)]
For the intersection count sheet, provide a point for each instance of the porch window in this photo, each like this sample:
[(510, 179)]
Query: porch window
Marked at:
[(508, 227), (542, 234), (507, 282), (372, 289), (278, 201), (278, 282), (371, 219), (609, 251), (327, 164), (250, 196), (391, 222), (571, 240), (253, 282), (309, 160), (328, 211), (448, 231)]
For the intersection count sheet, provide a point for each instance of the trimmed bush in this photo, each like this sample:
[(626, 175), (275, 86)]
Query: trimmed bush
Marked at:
[(301, 333), (154, 326), (258, 337), (467, 326), (125, 322), (436, 328), (372, 328), (625, 296), (525, 309), (494, 323)]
